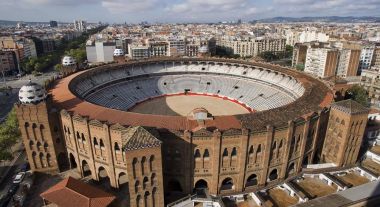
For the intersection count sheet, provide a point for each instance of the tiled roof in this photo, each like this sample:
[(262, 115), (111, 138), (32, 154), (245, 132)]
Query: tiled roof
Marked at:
[(138, 138), (350, 107), (71, 192)]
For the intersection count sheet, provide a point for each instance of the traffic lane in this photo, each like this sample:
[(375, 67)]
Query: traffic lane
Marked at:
[(7, 182)]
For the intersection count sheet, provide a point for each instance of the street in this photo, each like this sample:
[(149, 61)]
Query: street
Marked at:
[(7, 101), (7, 181)]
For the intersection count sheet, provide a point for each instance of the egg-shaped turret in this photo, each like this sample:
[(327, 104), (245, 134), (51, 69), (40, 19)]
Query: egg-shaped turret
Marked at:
[(118, 52), (31, 93), (68, 61)]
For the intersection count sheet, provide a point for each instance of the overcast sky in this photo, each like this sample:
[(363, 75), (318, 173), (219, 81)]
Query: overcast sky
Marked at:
[(172, 11)]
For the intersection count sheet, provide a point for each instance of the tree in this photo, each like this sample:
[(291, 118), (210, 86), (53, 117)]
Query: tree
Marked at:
[(288, 51), (38, 67), (269, 56), (300, 67), (9, 134), (357, 93), (58, 67)]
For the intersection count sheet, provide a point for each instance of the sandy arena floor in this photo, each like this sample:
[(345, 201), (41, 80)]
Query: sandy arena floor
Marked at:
[(182, 105)]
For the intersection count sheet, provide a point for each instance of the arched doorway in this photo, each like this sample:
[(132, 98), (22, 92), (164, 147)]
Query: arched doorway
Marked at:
[(201, 184), (86, 169), (305, 161), (174, 186), (291, 168), (103, 177), (63, 163), (273, 175), (227, 184), (251, 181), (73, 163)]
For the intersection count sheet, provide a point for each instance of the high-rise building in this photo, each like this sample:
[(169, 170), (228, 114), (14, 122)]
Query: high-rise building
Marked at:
[(80, 25), (53, 24), (100, 52), (366, 56), (376, 58), (299, 54), (348, 63), (321, 62)]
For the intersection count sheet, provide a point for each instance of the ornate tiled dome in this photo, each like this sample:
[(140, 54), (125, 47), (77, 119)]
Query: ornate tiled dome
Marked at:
[(32, 93), (118, 52), (68, 60)]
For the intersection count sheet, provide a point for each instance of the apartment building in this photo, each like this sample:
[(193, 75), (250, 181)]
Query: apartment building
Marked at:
[(80, 25), (8, 62), (348, 62), (177, 46), (139, 51), (370, 80), (366, 56), (299, 54), (157, 49), (375, 63), (100, 51), (321, 62)]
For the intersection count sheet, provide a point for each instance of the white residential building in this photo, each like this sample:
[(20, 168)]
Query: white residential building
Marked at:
[(366, 56)]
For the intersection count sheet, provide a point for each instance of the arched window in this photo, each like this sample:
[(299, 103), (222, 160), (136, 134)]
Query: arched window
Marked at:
[(197, 154), (206, 154), (116, 147), (101, 143), (145, 182), (234, 152), (134, 164), (280, 146), (250, 152), (46, 146), (151, 160), (274, 146), (78, 136), (251, 181), (83, 138), (95, 141), (38, 146), (42, 131), (153, 180), (259, 149), (137, 185), (225, 152), (143, 160), (48, 160), (31, 144), (138, 201)]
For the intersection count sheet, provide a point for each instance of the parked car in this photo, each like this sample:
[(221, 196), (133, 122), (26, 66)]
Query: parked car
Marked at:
[(19, 177), (24, 167)]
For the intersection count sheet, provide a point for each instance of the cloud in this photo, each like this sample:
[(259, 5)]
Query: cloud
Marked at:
[(133, 6), (59, 2)]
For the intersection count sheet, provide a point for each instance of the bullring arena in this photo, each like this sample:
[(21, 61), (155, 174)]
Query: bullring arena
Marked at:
[(166, 127)]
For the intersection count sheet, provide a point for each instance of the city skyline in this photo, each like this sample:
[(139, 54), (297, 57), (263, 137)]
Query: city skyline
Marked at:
[(179, 11)]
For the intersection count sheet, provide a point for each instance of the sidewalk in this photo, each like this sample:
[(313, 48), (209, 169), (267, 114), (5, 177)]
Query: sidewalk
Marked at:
[(6, 165)]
